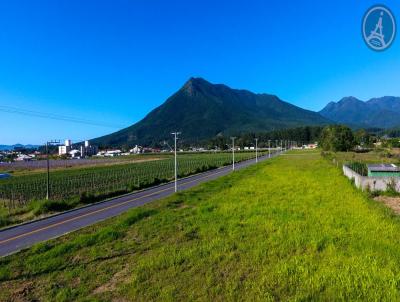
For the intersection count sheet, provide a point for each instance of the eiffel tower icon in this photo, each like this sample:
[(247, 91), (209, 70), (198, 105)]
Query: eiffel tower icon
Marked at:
[(376, 37)]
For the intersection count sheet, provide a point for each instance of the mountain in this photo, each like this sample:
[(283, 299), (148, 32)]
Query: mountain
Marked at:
[(12, 147), (377, 112), (201, 110)]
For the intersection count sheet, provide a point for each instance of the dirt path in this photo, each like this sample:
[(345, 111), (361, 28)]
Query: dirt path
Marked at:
[(391, 202)]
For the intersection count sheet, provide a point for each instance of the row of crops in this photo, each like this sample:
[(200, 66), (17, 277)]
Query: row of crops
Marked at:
[(100, 181)]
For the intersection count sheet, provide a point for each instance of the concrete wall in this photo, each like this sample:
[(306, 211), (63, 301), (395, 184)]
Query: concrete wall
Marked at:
[(374, 183)]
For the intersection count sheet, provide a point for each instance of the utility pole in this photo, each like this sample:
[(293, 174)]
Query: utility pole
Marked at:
[(48, 172), (256, 151), (233, 153), (175, 134), (48, 167)]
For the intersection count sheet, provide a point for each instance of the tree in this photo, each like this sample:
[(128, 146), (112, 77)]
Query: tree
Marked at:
[(363, 138), (337, 138)]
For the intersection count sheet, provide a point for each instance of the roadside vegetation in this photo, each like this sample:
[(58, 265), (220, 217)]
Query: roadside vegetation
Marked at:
[(22, 197), (292, 228)]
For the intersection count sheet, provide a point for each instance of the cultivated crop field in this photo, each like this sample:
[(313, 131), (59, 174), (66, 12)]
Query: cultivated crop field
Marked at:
[(25, 167), (292, 228), (24, 194)]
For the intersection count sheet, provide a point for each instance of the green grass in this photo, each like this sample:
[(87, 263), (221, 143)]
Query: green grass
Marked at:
[(290, 229), (22, 197)]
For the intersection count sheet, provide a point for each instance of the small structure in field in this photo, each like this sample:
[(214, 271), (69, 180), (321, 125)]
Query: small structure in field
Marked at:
[(383, 170)]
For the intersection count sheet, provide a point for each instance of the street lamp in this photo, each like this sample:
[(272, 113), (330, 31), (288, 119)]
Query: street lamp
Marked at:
[(233, 153), (269, 148), (175, 134), (256, 151), (48, 167)]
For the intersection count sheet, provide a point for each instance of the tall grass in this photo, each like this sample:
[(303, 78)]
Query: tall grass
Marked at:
[(290, 229)]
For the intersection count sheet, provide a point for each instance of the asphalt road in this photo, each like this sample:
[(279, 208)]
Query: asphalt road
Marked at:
[(23, 236)]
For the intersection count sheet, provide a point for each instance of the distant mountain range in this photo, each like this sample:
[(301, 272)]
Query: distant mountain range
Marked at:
[(376, 113), (201, 110), (13, 147)]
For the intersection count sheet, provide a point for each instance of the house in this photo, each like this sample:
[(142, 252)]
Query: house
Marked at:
[(383, 170), (136, 150), (310, 146), (23, 157), (112, 153)]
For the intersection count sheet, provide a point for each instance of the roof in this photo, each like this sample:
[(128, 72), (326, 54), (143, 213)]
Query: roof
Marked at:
[(383, 168)]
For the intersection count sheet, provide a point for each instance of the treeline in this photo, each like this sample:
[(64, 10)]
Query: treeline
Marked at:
[(302, 135), (341, 138)]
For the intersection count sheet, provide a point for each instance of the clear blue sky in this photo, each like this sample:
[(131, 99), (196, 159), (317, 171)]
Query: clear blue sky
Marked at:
[(114, 61)]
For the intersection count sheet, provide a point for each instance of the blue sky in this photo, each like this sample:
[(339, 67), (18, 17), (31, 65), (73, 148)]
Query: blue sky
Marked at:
[(114, 61)]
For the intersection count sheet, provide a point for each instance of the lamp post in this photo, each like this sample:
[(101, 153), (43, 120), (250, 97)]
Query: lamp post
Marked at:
[(269, 148), (48, 167), (233, 153), (175, 134), (256, 151)]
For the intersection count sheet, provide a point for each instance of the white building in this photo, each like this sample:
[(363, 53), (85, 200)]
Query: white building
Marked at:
[(112, 153), (66, 148), (88, 150), (85, 150), (75, 153), (23, 157), (136, 150)]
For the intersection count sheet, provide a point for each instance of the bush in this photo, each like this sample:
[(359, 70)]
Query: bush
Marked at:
[(39, 207)]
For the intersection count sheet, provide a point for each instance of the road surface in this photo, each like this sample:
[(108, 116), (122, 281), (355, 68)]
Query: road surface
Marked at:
[(23, 236)]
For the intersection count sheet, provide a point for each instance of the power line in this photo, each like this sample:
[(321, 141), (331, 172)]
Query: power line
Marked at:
[(58, 117)]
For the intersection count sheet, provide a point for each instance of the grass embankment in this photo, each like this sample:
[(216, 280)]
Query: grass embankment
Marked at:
[(292, 228)]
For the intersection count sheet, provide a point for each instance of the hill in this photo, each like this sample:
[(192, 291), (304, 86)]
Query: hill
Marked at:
[(375, 113), (201, 110), (17, 146)]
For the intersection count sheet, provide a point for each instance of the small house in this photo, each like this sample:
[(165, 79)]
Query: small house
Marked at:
[(383, 170)]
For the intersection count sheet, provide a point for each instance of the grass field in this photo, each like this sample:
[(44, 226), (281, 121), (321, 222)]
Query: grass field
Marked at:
[(22, 197), (292, 228)]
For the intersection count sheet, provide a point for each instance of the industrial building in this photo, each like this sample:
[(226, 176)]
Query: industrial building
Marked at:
[(88, 150), (84, 150), (66, 148)]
